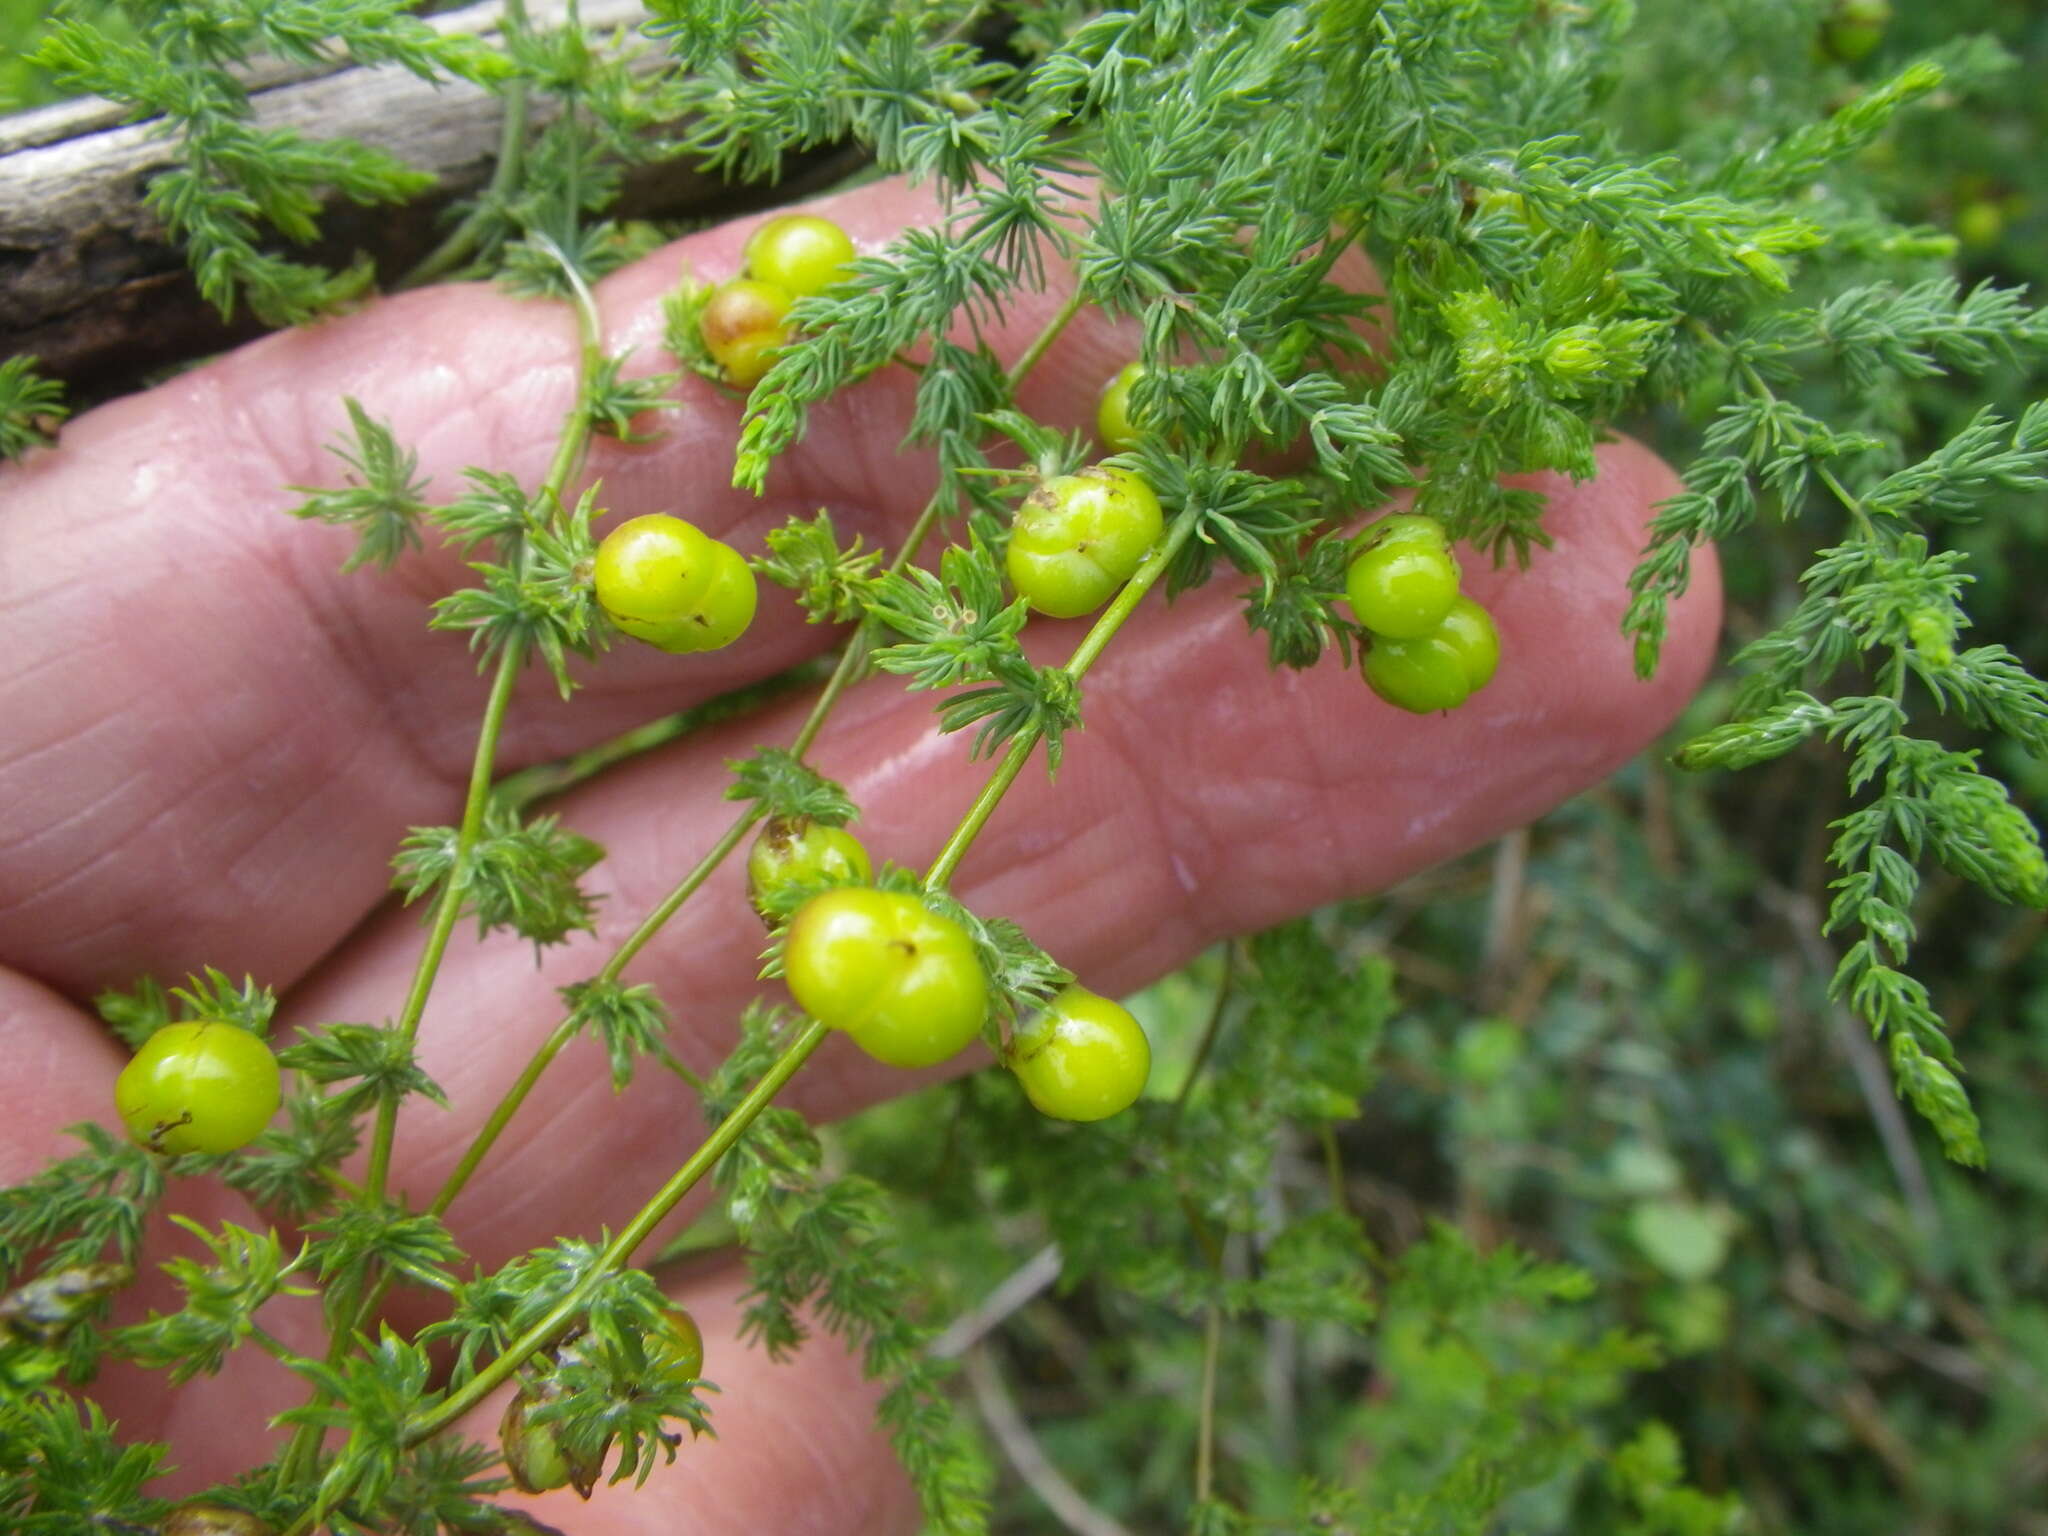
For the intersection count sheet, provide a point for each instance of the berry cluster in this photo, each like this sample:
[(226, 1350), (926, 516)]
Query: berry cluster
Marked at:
[(906, 983), (895, 972), (1432, 647), (747, 318)]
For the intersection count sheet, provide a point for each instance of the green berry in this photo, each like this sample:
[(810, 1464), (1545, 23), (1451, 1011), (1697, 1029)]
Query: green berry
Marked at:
[(794, 852), (799, 253), (1083, 1058), (1402, 588), (203, 1087), (1854, 29), (1980, 224), (742, 323), (1113, 414), (1079, 537), (1441, 669), (1422, 676), (1404, 528), (1469, 630), (533, 1453), (676, 1350)]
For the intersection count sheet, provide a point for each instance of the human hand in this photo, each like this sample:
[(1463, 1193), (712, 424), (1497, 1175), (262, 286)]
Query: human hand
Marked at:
[(211, 740)]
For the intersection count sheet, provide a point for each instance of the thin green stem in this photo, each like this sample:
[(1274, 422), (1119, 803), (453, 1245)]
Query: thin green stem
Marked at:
[(343, 1315), (984, 806), (273, 1345), (1047, 335), (462, 239), (1333, 1170), (567, 1030), (621, 1248), (1205, 1442), (568, 458), (615, 1256), (1099, 635), (449, 907), (1210, 1030), (1850, 501)]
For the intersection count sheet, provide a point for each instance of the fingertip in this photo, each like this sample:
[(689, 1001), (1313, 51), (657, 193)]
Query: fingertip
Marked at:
[(1565, 612)]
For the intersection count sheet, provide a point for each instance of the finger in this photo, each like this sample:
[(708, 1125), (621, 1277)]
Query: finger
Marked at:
[(1206, 796), (213, 738)]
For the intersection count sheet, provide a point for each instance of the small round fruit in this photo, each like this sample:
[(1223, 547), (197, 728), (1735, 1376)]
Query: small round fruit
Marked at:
[(1980, 224), (676, 1351), (1113, 414), (1501, 202), (669, 583), (208, 1087), (742, 323), (1421, 676), (1079, 537), (1402, 589), (1404, 528), (533, 1452), (1855, 28), (1083, 1058), (902, 980), (796, 851), (799, 252), (1469, 630)]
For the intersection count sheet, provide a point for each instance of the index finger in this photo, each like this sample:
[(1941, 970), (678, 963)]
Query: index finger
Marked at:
[(213, 738)]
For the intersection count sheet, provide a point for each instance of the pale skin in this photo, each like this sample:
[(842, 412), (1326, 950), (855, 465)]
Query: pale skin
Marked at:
[(211, 741)]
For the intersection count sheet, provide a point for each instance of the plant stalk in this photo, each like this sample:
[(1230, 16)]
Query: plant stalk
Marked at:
[(1099, 635)]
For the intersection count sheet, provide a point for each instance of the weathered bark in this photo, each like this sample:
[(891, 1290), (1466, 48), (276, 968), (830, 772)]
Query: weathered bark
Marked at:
[(90, 283)]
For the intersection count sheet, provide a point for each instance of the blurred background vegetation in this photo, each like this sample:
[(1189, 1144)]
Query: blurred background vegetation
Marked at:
[(1606, 1042)]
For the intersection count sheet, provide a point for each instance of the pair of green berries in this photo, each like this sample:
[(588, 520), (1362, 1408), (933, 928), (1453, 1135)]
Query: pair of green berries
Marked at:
[(905, 983), (1432, 648), (745, 320), (670, 584)]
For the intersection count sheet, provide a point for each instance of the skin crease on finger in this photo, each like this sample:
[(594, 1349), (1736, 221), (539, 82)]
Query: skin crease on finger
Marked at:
[(1207, 795)]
